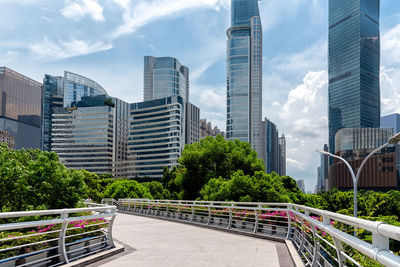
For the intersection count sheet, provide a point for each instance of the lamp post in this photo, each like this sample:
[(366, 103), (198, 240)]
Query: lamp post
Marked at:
[(355, 177)]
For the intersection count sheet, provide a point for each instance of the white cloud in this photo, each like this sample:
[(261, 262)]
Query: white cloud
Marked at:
[(390, 90), (391, 46), (213, 98), (49, 50), (79, 9), (145, 12)]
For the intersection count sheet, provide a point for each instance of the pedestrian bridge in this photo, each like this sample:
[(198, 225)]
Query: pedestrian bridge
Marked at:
[(194, 233)]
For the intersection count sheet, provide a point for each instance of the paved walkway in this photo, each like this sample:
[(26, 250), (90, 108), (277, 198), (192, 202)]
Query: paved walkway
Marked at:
[(163, 243)]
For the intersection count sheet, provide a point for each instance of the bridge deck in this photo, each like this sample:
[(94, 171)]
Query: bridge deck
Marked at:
[(164, 243)]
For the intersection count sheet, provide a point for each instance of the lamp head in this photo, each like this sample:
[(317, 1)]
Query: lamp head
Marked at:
[(394, 139), (323, 152)]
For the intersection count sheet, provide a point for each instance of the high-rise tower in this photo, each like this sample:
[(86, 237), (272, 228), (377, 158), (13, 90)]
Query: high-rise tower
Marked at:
[(354, 60), (244, 73), (165, 77)]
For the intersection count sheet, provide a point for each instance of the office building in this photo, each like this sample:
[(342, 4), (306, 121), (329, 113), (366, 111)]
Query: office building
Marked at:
[(282, 155), (206, 129), (156, 136), (301, 185), (64, 91), (165, 77), (391, 121), (192, 115), (319, 185), (244, 74), (7, 138), (354, 144), (354, 63), (92, 135), (20, 108), (323, 179), (270, 146)]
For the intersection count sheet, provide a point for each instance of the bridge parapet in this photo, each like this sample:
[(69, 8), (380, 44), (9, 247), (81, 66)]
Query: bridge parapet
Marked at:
[(55, 237), (322, 238)]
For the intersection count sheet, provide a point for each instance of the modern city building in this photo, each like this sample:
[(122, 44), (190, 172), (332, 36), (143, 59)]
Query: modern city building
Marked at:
[(93, 135), (192, 121), (391, 121), (381, 171), (270, 146), (20, 108), (7, 138), (318, 186), (301, 185), (244, 74), (282, 155), (354, 62), (206, 129), (63, 91), (165, 77), (324, 183), (156, 136)]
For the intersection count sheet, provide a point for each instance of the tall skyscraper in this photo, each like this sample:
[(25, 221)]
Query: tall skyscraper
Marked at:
[(20, 108), (165, 77), (244, 74), (282, 155), (63, 91), (270, 146), (354, 60)]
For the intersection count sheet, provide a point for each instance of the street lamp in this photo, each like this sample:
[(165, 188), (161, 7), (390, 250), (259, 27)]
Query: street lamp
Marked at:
[(394, 139)]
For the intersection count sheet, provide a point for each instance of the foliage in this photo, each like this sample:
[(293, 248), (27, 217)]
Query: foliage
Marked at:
[(126, 189), (157, 190), (36, 179)]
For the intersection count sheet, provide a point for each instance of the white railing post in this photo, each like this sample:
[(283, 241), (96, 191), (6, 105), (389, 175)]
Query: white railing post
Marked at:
[(191, 219), (255, 221), (316, 248), (110, 227), (166, 209), (289, 228), (379, 241), (62, 250), (209, 215), (230, 218)]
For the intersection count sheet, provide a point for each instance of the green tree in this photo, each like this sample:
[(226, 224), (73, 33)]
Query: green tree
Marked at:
[(157, 190), (211, 158), (126, 189)]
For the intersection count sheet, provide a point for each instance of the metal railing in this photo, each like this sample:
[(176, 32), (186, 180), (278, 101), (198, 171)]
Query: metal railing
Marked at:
[(54, 237), (322, 238)]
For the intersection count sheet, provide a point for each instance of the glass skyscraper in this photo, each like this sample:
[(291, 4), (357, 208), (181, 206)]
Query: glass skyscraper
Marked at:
[(244, 74), (165, 77), (354, 61)]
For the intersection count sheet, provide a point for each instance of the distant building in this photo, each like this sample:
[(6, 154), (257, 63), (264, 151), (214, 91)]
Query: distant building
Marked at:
[(156, 136), (301, 185), (7, 138), (391, 121), (354, 65), (282, 155), (323, 172), (20, 108), (270, 146), (192, 116), (165, 77), (244, 74), (64, 91), (381, 172), (88, 136), (206, 129)]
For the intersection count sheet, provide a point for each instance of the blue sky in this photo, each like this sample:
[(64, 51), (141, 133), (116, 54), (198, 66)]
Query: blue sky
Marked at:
[(106, 40)]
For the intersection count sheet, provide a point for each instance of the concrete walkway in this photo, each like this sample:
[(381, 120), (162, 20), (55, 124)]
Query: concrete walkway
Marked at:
[(163, 243)]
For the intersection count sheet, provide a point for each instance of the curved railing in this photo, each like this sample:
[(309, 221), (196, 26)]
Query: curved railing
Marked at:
[(322, 238), (54, 237)]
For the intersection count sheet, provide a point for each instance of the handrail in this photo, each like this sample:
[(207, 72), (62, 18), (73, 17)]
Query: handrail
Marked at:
[(319, 235), (54, 237)]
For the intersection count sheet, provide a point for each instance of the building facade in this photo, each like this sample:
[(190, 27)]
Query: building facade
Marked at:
[(301, 185), (192, 121), (206, 129), (381, 170), (244, 74), (282, 155), (270, 146), (20, 108), (156, 136), (391, 121), (165, 77), (63, 91), (7, 138), (354, 62)]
